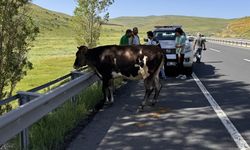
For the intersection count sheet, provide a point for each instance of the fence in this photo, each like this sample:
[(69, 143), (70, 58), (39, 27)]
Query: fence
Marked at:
[(238, 42), (33, 106)]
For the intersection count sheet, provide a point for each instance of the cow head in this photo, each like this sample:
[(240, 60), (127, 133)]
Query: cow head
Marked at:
[(80, 57)]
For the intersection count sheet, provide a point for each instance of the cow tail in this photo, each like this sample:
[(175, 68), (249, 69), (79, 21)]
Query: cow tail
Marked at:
[(157, 71)]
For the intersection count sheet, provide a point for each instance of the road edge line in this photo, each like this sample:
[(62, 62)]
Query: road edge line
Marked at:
[(215, 50), (247, 60), (238, 139)]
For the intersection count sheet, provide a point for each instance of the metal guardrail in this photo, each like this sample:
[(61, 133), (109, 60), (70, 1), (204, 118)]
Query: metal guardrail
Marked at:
[(238, 42), (33, 106), (73, 75)]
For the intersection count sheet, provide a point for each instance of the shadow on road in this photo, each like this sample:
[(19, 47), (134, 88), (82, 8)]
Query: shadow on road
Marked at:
[(183, 118)]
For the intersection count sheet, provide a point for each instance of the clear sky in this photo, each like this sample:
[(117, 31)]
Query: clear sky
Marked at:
[(202, 8)]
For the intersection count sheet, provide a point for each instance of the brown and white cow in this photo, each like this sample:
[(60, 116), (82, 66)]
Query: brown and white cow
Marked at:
[(131, 62)]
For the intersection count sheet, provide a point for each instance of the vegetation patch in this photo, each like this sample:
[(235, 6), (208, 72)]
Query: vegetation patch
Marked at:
[(50, 132)]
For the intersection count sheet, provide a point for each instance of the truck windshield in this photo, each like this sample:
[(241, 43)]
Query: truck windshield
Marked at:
[(164, 35)]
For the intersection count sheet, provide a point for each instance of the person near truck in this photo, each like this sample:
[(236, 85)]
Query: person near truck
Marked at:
[(135, 37), (199, 45), (180, 42), (125, 39)]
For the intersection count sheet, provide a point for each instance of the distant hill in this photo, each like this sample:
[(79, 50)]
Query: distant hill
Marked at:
[(239, 28), (51, 21), (55, 23), (190, 24)]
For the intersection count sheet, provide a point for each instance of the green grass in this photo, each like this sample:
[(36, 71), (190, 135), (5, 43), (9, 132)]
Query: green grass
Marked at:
[(49, 133)]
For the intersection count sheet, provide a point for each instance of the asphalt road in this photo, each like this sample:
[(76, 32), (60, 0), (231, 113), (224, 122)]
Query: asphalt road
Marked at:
[(183, 118)]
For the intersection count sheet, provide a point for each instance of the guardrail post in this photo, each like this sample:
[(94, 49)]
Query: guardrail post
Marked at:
[(25, 97), (74, 75), (24, 135)]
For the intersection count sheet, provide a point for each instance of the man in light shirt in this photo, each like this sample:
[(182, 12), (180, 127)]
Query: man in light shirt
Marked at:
[(136, 38), (199, 45)]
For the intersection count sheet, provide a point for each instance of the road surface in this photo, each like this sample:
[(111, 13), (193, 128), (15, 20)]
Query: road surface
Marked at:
[(185, 116)]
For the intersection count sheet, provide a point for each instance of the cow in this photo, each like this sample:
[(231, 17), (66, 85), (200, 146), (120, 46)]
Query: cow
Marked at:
[(131, 62)]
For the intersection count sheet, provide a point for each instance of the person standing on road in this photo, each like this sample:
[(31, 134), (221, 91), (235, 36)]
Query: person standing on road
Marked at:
[(125, 39), (135, 38), (180, 41), (199, 45), (153, 41)]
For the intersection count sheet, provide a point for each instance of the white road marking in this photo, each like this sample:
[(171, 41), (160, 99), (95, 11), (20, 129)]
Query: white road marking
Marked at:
[(238, 139), (215, 50), (248, 60)]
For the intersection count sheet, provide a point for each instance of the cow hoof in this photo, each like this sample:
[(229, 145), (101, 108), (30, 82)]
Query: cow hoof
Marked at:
[(140, 108), (153, 103)]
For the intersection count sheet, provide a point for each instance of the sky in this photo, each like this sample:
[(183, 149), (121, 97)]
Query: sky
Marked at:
[(203, 8)]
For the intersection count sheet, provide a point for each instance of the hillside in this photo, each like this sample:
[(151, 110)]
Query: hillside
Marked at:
[(191, 25), (56, 35), (48, 20), (52, 53), (239, 28)]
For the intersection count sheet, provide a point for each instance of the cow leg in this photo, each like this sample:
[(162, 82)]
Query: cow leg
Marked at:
[(105, 90), (157, 84), (111, 90), (149, 89), (157, 88)]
